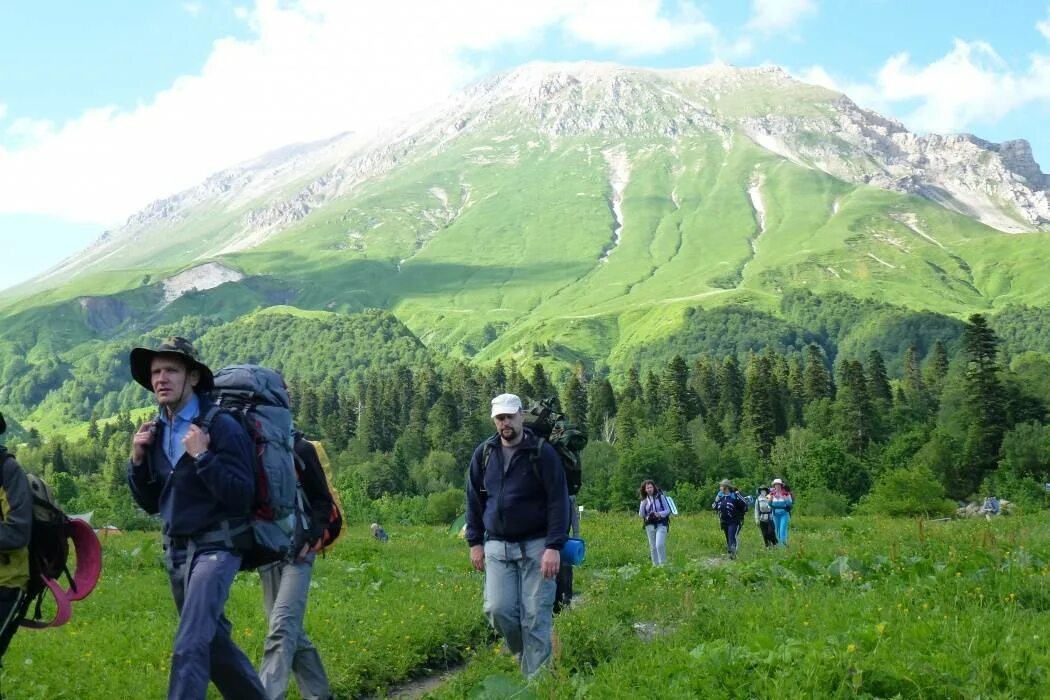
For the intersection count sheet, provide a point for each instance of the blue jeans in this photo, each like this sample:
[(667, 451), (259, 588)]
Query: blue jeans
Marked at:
[(519, 601), (203, 646), (781, 518), (657, 543), (288, 650), (731, 530)]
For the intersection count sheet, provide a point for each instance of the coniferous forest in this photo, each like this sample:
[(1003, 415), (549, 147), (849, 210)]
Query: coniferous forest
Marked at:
[(912, 434)]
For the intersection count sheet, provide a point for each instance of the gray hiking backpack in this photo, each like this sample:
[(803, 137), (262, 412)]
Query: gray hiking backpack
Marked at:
[(258, 399)]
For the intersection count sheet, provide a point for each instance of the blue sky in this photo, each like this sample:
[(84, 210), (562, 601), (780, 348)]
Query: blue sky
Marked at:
[(105, 106)]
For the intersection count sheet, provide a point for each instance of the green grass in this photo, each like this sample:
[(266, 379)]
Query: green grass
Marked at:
[(857, 607)]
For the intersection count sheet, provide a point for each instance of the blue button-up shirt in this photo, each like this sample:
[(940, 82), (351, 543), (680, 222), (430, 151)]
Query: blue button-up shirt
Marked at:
[(173, 434)]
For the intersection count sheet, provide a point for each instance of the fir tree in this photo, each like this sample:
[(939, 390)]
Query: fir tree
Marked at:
[(816, 379), (758, 421)]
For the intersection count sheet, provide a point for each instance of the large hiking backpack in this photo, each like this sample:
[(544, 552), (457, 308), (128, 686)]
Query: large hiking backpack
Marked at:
[(49, 559), (568, 440), (258, 398), (333, 526), (566, 437)]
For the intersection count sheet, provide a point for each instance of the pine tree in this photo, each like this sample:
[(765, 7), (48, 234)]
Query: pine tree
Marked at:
[(936, 368), (758, 421), (816, 379), (878, 381), (730, 392), (601, 406), (574, 400), (914, 387), (654, 402), (854, 414), (678, 396), (542, 388), (985, 398)]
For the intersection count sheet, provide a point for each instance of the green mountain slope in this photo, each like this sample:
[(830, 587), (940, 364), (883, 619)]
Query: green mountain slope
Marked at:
[(573, 213)]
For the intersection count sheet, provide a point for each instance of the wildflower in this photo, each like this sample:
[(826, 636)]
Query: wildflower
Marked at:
[(880, 628), (851, 648)]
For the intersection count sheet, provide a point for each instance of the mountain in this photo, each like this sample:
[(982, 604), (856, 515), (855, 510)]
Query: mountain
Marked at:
[(575, 211)]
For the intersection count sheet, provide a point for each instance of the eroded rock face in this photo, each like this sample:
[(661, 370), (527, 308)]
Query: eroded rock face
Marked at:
[(104, 314), (199, 278)]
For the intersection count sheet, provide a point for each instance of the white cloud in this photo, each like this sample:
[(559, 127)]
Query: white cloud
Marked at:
[(1043, 26), (816, 75), (192, 8), (770, 16), (969, 86), (637, 27), (313, 68)]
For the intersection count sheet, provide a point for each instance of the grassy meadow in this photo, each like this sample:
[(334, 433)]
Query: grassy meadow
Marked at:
[(856, 607)]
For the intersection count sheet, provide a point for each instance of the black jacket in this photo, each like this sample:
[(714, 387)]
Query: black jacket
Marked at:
[(315, 488), (516, 505)]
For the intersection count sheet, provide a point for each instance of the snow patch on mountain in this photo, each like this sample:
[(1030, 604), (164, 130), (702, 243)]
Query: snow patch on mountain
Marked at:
[(619, 168)]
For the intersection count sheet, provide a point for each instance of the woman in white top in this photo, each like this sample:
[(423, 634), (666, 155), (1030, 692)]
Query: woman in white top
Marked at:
[(655, 512)]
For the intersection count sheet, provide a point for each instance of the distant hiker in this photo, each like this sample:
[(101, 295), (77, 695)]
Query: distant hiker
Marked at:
[(16, 520), (781, 500), (285, 587), (379, 533), (203, 485), (655, 513), (730, 506), (764, 516), (517, 519), (990, 507)]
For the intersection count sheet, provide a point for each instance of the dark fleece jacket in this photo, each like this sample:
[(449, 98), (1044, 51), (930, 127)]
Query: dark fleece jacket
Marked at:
[(515, 505)]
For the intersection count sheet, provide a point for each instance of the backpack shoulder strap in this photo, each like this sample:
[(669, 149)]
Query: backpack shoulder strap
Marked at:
[(206, 419), (534, 456)]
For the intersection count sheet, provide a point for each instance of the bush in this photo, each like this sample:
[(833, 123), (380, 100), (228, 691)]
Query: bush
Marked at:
[(912, 491), (824, 502), (690, 498), (442, 508)]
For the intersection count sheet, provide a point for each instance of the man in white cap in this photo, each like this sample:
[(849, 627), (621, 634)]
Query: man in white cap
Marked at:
[(516, 524)]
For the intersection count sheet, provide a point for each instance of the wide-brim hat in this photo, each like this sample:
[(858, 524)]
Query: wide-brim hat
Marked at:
[(778, 481), (762, 488), (141, 360), (726, 482)]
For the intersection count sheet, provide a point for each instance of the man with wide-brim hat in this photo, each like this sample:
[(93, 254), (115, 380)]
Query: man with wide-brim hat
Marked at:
[(16, 524), (202, 484)]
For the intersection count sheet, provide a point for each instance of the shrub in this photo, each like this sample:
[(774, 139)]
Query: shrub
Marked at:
[(912, 491), (824, 503), (442, 508)]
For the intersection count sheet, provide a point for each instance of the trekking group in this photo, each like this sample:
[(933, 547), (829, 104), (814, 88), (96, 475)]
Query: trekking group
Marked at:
[(236, 487), (772, 509)]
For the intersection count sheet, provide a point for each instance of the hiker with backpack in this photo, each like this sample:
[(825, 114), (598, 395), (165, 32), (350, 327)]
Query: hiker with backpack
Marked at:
[(730, 506), (16, 521), (655, 512), (286, 584), (201, 482), (782, 501), (517, 519), (764, 516)]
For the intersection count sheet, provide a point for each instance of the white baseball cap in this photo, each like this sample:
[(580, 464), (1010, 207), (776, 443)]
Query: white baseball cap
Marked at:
[(505, 404)]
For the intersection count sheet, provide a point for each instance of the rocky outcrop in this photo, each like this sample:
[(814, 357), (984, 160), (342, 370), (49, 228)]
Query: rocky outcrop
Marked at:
[(199, 278), (104, 314)]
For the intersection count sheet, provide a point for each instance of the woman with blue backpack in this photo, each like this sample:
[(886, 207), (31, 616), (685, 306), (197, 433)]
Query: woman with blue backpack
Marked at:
[(730, 506), (655, 512), (782, 501)]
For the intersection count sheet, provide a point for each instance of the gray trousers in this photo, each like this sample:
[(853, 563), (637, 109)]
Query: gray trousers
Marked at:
[(287, 649), (519, 601)]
